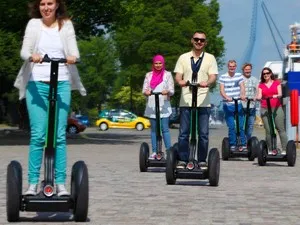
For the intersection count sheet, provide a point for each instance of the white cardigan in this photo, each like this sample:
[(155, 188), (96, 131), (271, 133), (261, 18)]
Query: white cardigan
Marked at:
[(30, 44)]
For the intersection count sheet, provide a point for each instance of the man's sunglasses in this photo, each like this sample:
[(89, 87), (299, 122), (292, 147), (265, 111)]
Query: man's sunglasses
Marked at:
[(199, 39)]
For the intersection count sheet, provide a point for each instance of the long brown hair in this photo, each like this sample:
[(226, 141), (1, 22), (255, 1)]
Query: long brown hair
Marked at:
[(262, 79), (61, 11)]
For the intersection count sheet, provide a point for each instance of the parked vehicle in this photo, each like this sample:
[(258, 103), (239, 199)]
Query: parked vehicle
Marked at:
[(120, 118), (84, 120), (75, 126)]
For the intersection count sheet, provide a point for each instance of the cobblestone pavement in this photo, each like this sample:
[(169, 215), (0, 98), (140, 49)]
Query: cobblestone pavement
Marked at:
[(120, 194)]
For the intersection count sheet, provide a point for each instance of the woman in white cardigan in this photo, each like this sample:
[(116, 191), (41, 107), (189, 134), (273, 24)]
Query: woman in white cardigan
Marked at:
[(50, 32), (159, 80)]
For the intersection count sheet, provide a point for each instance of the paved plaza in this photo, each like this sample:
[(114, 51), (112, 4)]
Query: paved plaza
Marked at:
[(119, 194)]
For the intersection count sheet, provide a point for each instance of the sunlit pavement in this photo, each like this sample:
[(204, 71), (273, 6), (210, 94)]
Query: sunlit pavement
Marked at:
[(120, 194)]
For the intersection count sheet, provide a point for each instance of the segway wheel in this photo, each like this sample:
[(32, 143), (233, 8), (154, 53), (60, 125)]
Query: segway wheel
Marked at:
[(80, 191), (213, 167), (253, 145), (171, 166), (291, 153), (262, 153), (144, 155), (13, 191), (225, 149)]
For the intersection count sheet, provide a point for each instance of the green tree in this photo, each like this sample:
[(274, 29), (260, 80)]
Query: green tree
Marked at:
[(98, 69), (163, 27)]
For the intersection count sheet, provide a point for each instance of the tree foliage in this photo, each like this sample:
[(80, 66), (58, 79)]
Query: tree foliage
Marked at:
[(117, 40), (163, 27), (98, 69)]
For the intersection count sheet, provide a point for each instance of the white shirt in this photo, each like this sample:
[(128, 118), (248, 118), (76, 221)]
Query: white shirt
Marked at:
[(50, 44)]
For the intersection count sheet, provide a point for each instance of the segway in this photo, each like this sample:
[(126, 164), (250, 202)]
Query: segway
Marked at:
[(274, 154), (192, 169), (160, 160), (47, 200), (252, 143)]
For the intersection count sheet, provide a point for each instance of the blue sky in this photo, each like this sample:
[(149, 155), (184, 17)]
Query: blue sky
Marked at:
[(235, 16)]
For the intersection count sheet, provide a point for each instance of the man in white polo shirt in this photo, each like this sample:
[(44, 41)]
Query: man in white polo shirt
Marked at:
[(232, 86), (201, 66)]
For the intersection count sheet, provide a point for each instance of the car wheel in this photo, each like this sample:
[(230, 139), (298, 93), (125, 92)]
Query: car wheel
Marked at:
[(103, 126), (139, 126), (72, 129)]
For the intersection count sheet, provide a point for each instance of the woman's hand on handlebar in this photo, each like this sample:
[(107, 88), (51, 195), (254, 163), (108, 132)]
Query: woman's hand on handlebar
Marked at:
[(276, 96), (243, 98), (71, 59), (147, 92), (165, 92), (36, 58)]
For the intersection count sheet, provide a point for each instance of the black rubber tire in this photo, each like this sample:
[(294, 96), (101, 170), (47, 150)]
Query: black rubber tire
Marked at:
[(143, 158), (262, 153), (13, 191), (80, 191), (291, 153), (253, 145), (171, 166), (225, 149), (213, 167)]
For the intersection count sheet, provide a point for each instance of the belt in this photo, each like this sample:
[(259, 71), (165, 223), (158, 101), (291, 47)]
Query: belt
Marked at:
[(45, 82)]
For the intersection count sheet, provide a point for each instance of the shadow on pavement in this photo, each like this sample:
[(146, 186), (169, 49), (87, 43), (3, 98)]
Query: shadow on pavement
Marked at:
[(20, 137), (50, 217)]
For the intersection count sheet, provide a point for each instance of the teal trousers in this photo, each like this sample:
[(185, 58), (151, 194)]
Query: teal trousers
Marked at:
[(37, 103)]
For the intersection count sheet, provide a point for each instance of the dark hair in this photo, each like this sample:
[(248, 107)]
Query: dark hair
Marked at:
[(245, 65), (262, 79), (199, 32), (61, 12)]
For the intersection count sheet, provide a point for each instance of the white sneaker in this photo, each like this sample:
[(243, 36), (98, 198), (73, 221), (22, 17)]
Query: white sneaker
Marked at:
[(153, 156), (32, 189), (61, 190)]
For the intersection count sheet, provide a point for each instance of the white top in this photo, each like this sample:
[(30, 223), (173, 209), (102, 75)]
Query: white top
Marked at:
[(164, 101), (50, 44), (30, 45)]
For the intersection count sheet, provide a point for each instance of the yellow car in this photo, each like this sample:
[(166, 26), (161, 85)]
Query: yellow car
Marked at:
[(119, 118)]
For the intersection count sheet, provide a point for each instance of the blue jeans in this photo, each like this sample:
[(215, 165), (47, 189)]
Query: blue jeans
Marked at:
[(37, 103), (231, 123), (164, 122), (251, 120), (203, 114)]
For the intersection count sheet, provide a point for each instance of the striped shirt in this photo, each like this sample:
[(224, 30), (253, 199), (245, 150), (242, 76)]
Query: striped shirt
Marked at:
[(232, 85)]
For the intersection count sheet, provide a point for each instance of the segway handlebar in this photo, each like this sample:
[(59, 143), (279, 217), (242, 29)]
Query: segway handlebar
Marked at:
[(192, 84), (266, 98), (49, 60), (156, 93)]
